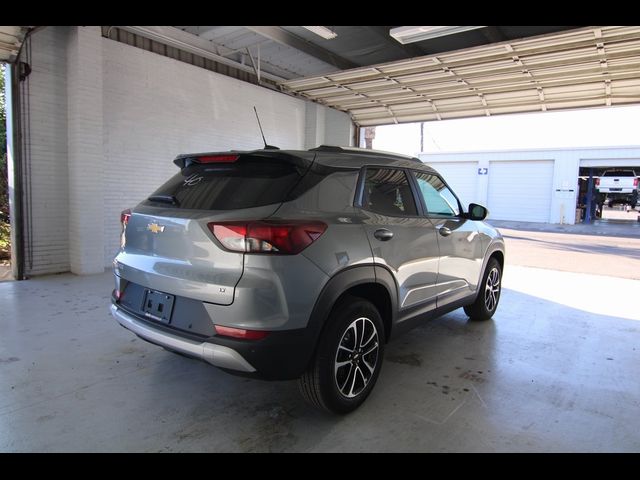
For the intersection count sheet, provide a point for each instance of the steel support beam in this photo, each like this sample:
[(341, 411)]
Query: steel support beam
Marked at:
[(383, 33), (493, 34), (589, 213), (191, 43), (281, 36)]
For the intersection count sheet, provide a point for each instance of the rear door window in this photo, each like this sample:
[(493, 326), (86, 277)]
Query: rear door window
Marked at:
[(245, 183), (387, 192)]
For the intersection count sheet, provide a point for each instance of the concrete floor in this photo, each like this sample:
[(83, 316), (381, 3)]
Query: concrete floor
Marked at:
[(593, 254), (557, 370)]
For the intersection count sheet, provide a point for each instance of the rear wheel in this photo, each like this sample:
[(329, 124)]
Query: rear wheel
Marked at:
[(487, 300), (348, 359)]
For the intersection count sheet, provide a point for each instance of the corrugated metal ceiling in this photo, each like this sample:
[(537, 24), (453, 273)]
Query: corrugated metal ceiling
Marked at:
[(11, 39), (588, 67)]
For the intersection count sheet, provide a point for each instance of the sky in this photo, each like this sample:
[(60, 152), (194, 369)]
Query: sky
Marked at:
[(609, 126)]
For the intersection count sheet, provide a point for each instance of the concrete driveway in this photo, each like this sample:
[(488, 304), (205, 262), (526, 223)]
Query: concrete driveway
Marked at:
[(557, 370)]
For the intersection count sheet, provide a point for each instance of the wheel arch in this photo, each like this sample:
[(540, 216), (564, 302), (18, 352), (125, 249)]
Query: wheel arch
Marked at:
[(367, 282)]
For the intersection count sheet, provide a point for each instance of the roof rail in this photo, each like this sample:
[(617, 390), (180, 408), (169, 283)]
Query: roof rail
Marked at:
[(363, 151)]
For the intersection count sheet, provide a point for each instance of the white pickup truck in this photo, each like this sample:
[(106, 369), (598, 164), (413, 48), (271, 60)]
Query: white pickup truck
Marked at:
[(619, 186)]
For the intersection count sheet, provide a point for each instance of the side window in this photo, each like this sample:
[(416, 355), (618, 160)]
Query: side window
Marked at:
[(387, 191), (437, 197)]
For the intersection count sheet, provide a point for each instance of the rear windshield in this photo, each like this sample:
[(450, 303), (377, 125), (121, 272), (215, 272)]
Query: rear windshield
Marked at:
[(619, 173), (243, 184)]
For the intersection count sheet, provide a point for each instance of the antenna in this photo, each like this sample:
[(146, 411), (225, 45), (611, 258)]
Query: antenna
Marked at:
[(266, 147)]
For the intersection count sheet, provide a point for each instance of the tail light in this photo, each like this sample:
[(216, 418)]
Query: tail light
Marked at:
[(125, 215), (240, 333), (635, 182), (287, 237), (597, 182)]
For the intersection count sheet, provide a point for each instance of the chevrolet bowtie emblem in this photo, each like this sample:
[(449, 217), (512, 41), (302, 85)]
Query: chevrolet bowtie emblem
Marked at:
[(155, 228)]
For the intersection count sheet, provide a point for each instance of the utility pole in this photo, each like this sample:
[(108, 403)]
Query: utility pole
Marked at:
[(369, 135)]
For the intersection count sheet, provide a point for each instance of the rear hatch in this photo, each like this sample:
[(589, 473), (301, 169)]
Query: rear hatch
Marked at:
[(168, 244)]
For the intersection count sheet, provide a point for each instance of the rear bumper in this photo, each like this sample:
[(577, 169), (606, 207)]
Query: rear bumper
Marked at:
[(281, 355), (620, 191), (217, 355)]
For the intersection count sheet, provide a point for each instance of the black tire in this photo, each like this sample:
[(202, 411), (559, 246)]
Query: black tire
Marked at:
[(319, 385), (486, 303)]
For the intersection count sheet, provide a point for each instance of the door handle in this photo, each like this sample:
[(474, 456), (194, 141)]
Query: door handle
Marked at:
[(383, 234), (444, 231)]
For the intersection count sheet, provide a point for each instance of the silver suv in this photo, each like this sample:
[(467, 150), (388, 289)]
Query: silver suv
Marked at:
[(301, 264)]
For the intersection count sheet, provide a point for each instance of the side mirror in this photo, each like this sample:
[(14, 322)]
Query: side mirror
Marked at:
[(477, 212)]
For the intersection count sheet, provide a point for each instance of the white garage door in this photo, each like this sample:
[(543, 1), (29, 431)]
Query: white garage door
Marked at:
[(462, 177), (520, 190)]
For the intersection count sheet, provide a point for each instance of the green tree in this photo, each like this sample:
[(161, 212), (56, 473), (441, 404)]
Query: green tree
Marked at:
[(3, 117), (4, 200), (4, 194)]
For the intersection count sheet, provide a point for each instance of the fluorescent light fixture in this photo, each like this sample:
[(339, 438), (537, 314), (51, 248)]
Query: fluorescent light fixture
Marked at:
[(417, 34), (324, 32)]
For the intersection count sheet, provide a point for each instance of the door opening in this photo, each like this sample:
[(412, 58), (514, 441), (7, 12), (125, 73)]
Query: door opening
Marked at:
[(608, 194)]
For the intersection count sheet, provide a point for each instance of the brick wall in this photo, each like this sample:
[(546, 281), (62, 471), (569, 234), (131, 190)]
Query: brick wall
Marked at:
[(86, 160), (107, 119)]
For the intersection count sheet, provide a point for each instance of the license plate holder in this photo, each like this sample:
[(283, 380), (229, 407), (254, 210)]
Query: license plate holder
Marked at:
[(158, 305)]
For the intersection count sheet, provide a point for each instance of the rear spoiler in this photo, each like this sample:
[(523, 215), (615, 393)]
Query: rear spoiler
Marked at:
[(364, 151)]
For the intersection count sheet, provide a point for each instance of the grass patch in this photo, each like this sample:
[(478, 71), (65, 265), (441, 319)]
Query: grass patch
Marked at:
[(5, 240)]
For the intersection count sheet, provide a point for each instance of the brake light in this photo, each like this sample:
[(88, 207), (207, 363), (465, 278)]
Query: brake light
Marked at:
[(597, 182), (285, 237), (218, 158), (240, 333), (125, 215), (635, 182)]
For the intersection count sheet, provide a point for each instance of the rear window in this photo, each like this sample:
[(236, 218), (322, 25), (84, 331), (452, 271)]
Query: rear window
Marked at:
[(243, 184), (619, 173)]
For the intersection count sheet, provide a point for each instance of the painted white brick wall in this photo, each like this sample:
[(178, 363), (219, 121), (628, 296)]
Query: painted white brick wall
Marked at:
[(143, 109), (315, 117), (339, 129), (156, 108), (48, 148), (85, 150)]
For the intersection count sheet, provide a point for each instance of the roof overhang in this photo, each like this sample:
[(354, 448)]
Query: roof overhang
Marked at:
[(587, 67), (11, 39)]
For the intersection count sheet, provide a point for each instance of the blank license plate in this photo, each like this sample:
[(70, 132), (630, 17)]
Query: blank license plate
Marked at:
[(158, 305)]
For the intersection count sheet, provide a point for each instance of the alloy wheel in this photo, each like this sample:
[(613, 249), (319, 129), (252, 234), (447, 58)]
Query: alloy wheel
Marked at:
[(492, 289), (357, 357)]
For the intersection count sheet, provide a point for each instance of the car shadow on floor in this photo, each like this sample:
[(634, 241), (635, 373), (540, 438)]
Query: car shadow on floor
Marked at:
[(447, 373)]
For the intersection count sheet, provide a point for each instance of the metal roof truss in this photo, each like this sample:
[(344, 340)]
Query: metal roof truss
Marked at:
[(589, 67)]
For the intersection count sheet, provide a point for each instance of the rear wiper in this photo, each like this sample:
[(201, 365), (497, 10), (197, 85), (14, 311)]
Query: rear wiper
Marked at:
[(164, 199)]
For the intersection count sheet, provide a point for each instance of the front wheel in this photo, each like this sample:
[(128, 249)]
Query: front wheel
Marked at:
[(488, 297), (348, 359)]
